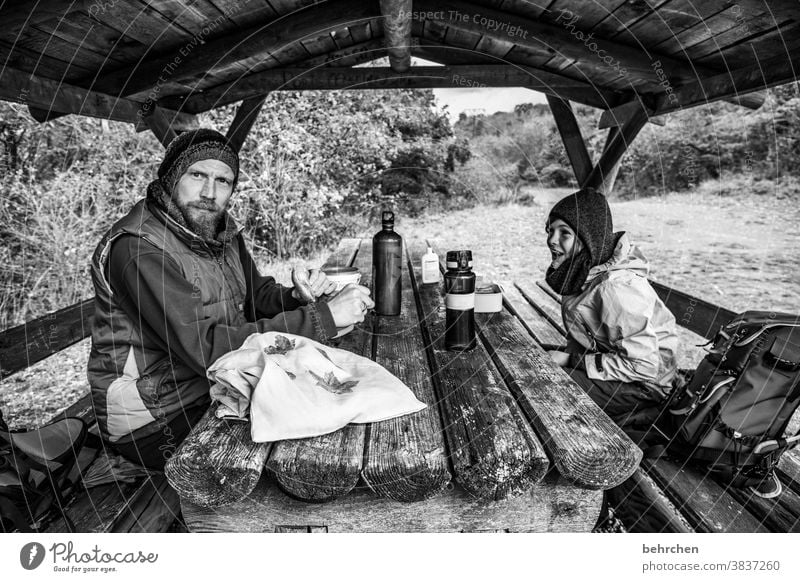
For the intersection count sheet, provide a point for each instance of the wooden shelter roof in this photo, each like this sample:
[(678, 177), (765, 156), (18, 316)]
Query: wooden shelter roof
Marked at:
[(125, 59)]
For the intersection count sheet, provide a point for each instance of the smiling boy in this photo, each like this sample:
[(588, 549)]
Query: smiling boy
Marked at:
[(621, 336)]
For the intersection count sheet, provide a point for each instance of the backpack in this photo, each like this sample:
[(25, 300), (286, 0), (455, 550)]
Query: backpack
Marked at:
[(34, 471), (732, 414)]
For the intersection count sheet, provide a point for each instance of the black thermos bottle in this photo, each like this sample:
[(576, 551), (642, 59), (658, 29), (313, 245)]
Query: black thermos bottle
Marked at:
[(459, 287), (387, 256)]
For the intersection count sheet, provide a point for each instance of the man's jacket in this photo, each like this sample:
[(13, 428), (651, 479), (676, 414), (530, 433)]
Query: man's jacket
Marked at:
[(619, 320), (166, 307)]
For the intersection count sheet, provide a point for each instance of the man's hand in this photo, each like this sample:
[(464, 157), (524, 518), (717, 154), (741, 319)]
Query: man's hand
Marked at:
[(309, 286), (559, 357), (350, 305)]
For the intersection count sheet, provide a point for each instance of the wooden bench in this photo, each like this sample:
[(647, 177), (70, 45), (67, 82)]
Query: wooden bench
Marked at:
[(665, 495), (508, 441), (148, 504)]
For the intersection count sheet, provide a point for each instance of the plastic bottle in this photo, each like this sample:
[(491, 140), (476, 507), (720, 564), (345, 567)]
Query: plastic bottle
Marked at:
[(387, 258), (459, 286), (430, 267)]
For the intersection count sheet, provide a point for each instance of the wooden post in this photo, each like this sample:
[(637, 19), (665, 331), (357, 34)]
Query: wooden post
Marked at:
[(604, 173), (397, 32), (571, 136), (160, 124), (243, 122)]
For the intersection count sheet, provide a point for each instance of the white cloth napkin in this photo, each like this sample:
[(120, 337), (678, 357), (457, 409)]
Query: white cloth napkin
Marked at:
[(295, 387)]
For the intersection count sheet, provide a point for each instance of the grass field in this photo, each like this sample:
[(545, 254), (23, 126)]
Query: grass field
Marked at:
[(740, 252)]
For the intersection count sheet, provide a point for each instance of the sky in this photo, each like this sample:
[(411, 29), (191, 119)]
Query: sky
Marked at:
[(474, 100)]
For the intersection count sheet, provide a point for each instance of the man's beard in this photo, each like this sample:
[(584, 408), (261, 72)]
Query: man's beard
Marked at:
[(202, 217)]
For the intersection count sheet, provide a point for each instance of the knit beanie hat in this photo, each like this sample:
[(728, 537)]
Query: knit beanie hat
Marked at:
[(193, 146), (587, 213)]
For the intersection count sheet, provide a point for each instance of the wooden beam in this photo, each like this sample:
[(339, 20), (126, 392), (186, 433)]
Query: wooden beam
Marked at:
[(262, 39), (772, 72), (161, 125), (338, 78), (571, 136), (47, 99), (616, 116), (245, 117), (33, 341), (619, 139), (553, 83), (352, 55), (397, 32)]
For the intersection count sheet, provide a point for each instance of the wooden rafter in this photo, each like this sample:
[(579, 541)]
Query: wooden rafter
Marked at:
[(397, 32), (336, 78), (44, 96), (261, 39), (557, 38), (352, 55), (619, 140), (571, 135), (772, 72), (617, 116), (161, 125), (243, 122)]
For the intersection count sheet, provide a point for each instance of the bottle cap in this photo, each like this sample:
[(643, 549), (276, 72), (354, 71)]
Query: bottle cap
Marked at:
[(459, 259), (387, 218)]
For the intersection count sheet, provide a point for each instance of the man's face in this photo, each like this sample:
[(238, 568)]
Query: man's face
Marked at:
[(202, 195)]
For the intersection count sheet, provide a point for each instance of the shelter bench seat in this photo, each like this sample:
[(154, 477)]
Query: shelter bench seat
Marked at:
[(665, 495), (147, 504)]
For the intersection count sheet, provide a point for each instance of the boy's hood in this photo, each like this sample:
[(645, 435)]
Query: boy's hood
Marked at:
[(626, 256)]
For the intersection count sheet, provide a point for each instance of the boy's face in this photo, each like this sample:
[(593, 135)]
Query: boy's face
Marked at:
[(562, 242)]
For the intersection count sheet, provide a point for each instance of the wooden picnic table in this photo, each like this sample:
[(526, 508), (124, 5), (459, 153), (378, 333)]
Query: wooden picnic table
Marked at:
[(508, 441)]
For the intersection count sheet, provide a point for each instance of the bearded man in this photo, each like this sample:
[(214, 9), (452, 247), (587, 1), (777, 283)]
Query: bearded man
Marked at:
[(175, 289)]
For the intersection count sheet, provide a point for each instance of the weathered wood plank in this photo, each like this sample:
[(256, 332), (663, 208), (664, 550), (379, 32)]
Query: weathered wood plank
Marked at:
[(789, 469), (232, 48), (550, 506), (217, 463), (95, 511), (541, 329), (493, 449), (702, 500), (781, 514), (544, 305), (406, 458), (582, 441), (150, 509), (33, 341), (643, 508), (697, 315), (328, 466)]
